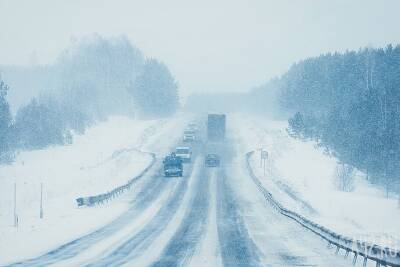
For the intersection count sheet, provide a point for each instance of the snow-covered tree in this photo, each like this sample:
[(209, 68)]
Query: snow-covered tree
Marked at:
[(5, 123), (350, 103), (38, 125), (99, 71), (344, 177), (155, 91)]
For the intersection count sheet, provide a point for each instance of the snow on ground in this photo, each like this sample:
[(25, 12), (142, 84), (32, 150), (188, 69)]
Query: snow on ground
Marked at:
[(301, 176), (279, 240), (106, 156)]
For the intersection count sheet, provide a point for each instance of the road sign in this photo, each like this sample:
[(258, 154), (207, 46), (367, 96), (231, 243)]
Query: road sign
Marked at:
[(264, 154)]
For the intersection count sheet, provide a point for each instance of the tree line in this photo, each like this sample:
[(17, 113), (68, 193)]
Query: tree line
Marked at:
[(350, 104), (92, 80)]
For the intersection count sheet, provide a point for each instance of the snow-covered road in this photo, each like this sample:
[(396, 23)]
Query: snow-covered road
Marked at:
[(209, 217)]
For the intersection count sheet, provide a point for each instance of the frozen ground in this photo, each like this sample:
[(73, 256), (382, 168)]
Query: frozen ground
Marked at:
[(108, 155), (301, 176)]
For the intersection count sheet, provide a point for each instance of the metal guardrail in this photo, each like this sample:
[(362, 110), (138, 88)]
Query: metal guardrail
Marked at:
[(383, 256), (101, 198)]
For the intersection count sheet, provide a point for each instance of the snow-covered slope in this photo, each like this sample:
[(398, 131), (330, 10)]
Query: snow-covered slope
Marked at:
[(301, 176), (107, 156)]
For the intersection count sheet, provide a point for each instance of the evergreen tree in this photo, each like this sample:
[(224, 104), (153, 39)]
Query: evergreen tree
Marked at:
[(155, 91), (350, 103), (5, 124), (38, 125)]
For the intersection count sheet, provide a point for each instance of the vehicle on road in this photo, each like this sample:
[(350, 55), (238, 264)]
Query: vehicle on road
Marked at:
[(212, 160), (185, 153), (193, 126), (216, 127), (189, 136), (173, 165)]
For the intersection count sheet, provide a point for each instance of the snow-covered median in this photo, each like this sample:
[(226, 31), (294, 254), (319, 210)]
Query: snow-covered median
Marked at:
[(302, 178), (107, 156)]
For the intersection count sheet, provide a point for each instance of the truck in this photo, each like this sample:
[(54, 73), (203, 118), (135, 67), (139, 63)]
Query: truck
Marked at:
[(216, 127), (173, 165)]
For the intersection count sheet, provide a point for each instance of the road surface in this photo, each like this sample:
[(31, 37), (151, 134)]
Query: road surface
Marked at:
[(208, 217)]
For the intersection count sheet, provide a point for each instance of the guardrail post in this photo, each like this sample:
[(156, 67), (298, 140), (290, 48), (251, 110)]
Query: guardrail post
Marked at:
[(347, 253), (329, 245), (337, 250), (378, 264), (355, 258), (365, 261)]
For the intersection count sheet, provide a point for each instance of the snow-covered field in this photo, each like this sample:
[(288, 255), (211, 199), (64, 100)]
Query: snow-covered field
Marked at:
[(106, 156), (302, 177)]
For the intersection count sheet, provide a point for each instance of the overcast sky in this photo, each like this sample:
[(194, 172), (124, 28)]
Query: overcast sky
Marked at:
[(209, 45)]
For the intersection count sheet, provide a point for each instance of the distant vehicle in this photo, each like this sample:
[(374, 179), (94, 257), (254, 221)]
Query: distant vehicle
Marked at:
[(184, 152), (216, 127), (173, 165), (212, 160), (193, 126), (189, 136)]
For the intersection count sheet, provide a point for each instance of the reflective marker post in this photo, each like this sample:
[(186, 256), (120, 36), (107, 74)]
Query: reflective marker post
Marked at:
[(41, 201), (261, 157), (15, 206), (264, 157)]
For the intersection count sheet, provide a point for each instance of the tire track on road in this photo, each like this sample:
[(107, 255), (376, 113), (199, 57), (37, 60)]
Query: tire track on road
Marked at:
[(132, 247), (182, 246), (147, 194), (237, 247)]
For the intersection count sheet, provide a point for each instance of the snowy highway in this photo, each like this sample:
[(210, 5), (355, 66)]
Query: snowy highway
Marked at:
[(199, 133), (208, 217)]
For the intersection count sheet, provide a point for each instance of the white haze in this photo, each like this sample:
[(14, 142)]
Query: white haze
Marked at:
[(208, 45)]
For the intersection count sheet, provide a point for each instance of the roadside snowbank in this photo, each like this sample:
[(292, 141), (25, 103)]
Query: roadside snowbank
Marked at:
[(107, 156), (301, 177)]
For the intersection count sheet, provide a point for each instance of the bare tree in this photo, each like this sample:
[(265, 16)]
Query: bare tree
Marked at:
[(344, 177)]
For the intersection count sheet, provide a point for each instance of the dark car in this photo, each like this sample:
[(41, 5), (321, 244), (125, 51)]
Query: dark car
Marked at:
[(212, 160), (173, 166)]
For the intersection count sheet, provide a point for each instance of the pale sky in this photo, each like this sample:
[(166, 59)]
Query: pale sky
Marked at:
[(209, 45)]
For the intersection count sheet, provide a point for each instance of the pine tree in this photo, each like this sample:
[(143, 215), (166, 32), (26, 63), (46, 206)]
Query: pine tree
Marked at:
[(155, 91), (38, 125), (350, 103), (5, 124)]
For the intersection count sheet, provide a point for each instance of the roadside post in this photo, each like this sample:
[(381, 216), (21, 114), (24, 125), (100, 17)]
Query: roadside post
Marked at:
[(264, 157), (15, 206), (261, 157), (41, 201)]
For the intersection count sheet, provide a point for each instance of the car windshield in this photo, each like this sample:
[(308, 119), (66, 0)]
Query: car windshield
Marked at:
[(182, 150)]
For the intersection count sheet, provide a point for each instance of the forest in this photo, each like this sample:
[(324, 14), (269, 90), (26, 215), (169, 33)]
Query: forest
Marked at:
[(91, 80), (350, 104)]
